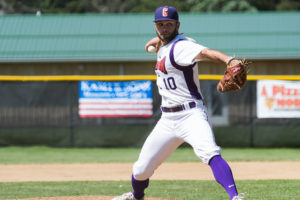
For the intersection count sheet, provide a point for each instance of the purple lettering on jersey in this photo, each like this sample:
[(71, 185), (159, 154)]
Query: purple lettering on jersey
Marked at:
[(171, 82), (160, 65), (188, 74)]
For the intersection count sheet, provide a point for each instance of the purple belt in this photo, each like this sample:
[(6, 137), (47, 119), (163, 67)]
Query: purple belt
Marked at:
[(178, 108)]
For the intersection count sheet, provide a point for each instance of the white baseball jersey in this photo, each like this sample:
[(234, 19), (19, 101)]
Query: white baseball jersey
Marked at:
[(178, 83), (177, 71)]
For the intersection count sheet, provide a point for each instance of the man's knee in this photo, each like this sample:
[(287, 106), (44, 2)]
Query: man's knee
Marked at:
[(142, 172), (207, 154)]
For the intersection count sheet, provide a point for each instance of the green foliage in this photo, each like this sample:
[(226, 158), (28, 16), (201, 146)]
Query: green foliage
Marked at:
[(146, 6), (288, 5), (140, 6), (220, 6), (278, 5), (264, 5)]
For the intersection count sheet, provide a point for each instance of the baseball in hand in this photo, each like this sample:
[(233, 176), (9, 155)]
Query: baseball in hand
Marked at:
[(151, 49)]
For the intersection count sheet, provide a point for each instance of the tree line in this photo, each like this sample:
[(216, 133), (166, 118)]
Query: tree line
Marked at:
[(143, 6)]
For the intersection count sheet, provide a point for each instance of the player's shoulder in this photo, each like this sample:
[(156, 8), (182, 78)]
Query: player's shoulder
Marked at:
[(188, 39), (185, 41)]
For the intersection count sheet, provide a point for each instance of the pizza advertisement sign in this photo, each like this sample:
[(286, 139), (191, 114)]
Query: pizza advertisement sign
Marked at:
[(278, 99)]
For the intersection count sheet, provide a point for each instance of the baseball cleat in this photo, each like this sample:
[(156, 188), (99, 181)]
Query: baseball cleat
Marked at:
[(127, 196), (239, 197)]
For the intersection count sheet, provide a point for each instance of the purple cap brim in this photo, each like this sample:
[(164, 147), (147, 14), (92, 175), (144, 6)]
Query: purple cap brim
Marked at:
[(164, 19)]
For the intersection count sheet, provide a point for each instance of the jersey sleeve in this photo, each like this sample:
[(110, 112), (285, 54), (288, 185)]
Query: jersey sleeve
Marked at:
[(185, 52)]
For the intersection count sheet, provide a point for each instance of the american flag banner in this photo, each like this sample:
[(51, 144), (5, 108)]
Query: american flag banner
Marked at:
[(115, 99)]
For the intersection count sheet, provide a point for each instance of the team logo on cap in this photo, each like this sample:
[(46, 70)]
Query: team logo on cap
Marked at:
[(165, 12)]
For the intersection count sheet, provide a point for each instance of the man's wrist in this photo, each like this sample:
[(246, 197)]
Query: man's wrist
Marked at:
[(229, 60)]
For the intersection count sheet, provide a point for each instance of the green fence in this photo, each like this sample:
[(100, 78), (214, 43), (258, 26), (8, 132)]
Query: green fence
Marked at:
[(46, 113)]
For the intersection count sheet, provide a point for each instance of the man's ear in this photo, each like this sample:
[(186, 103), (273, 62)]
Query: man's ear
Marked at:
[(178, 25)]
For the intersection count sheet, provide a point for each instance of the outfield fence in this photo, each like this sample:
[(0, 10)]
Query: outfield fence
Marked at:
[(43, 110)]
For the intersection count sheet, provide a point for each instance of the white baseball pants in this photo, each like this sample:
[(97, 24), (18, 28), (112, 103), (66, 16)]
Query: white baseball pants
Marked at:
[(174, 128)]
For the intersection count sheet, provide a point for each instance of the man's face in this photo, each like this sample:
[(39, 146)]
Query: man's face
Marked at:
[(166, 30)]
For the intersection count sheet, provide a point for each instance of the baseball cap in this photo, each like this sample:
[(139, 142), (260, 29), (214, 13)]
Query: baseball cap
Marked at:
[(167, 13)]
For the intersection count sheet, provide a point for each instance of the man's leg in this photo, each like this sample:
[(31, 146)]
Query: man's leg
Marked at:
[(139, 187), (223, 175), (159, 145), (197, 131)]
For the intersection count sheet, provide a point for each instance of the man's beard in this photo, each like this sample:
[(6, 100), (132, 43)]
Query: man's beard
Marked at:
[(169, 38)]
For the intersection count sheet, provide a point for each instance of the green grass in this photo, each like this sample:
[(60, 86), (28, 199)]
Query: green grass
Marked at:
[(187, 190), (41, 154)]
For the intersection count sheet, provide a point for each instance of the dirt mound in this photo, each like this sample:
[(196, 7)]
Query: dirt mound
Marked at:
[(122, 171)]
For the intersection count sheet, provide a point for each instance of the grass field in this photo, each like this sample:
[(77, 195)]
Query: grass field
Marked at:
[(187, 190), (41, 154)]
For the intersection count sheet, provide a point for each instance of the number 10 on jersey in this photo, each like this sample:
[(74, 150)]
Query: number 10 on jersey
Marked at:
[(170, 83)]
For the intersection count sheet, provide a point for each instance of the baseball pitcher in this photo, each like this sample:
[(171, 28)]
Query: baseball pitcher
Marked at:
[(184, 115)]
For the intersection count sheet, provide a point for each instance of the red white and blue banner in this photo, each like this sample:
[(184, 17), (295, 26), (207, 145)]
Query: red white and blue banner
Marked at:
[(278, 99), (115, 99)]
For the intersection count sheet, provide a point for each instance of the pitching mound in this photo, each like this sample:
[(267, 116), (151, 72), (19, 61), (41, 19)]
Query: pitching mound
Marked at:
[(82, 198)]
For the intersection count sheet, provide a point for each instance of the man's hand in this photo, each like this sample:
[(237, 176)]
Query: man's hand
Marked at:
[(153, 42), (233, 63), (235, 76)]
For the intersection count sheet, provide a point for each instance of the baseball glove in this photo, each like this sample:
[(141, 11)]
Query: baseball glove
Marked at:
[(235, 77)]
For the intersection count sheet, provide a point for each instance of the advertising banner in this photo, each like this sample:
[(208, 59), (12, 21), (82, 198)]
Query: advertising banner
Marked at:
[(115, 99), (278, 99)]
